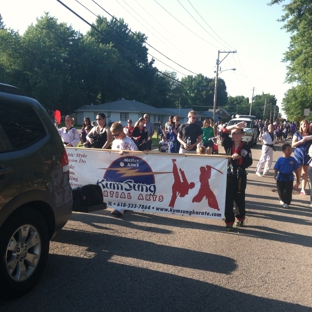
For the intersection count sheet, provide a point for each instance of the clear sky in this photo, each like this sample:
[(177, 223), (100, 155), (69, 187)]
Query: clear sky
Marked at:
[(188, 33)]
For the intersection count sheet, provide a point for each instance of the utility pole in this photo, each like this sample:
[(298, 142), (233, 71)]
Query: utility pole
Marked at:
[(253, 90), (216, 81), (274, 113), (264, 109), (270, 112)]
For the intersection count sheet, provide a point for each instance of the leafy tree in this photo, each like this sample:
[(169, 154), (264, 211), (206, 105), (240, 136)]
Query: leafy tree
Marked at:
[(295, 101), (46, 60), (197, 92), (297, 20), (264, 106), (2, 26), (91, 68), (135, 75), (116, 32), (10, 57), (175, 89), (222, 96), (238, 105)]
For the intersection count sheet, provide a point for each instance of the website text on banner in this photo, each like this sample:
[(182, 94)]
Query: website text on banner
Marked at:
[(156, 183)]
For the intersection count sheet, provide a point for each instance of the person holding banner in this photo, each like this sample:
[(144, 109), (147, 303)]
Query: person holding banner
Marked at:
[(171, 136), (208, 133), (189, 134), (129, 128), (100, 135), (150, 132), (122, 143), (69, 134), (240, 159), (86, 122), (140, 134)]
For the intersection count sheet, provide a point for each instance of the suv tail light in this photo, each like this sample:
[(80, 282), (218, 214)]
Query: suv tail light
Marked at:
[(65, 162)]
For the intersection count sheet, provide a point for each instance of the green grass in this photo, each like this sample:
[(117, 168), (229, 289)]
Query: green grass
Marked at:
[(155, 140)]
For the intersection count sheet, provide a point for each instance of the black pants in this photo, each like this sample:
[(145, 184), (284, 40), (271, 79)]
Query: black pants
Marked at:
[(235, 191), (284, 190)]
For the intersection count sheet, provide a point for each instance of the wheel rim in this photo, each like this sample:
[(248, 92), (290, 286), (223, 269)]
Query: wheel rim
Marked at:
[(23, 253)]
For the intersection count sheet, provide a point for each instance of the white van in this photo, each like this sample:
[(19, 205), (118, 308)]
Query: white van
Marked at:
[(250, 132)]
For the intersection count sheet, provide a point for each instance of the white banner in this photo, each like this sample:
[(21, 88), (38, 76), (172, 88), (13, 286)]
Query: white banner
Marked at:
[(191, 185)]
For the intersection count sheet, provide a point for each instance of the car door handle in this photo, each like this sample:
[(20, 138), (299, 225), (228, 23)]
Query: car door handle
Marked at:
[(6, 170)]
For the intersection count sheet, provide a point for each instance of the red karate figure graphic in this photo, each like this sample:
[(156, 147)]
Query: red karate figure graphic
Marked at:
[(205, 190), (180, 186)]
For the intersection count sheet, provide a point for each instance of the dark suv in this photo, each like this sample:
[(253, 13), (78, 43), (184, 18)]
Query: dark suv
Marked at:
[(35, 195)]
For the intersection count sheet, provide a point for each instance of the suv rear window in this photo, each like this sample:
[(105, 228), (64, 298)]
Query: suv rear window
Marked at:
[(20, 126)]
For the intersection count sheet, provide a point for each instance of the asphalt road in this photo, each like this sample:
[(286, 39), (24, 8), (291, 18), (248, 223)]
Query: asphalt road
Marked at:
[(149, 262)]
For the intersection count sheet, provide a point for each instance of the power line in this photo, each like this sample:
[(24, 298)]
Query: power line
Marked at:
[(148, 25), (198, 22), (207, 23), (184, 25), (119, 44), (166, 29), (150, 46), (97, 30)]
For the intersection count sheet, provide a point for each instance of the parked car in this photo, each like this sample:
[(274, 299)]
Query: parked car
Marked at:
[(250, 132), (245, 116), (35, 195)]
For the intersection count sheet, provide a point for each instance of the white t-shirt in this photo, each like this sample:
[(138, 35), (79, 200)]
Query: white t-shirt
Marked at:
[(69, 136), (126, 144)]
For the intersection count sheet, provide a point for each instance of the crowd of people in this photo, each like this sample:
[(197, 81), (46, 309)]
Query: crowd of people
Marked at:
[(287, 167), (193, 137)]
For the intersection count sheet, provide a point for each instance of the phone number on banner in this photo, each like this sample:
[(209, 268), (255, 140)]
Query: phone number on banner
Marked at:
[(164, 210), (130, 206)]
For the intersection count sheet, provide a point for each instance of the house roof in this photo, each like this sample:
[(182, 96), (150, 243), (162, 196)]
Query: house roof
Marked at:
[(176, 111), (139, 107), (184, 112), (224, 110), (121, 105), (220, 110)]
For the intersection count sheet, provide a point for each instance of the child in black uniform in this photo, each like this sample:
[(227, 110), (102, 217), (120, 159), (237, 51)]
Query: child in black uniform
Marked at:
[(241, 159)]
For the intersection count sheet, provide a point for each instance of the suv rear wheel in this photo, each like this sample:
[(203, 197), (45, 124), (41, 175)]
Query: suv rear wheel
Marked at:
[(24, 250)]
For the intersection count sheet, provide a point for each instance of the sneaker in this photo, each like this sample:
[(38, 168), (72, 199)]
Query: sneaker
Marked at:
[(303, 192), (239, 223), (285, 206), (310, 205), (116, 213), (229, 228), (258, 174), (281, 202)]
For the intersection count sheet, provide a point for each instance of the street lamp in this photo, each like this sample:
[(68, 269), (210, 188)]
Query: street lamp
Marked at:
[(221, 71), (216, 80)]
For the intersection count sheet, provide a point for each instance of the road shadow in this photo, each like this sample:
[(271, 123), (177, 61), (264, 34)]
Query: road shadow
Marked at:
[(146, 222), (95, 281), (147, 251)]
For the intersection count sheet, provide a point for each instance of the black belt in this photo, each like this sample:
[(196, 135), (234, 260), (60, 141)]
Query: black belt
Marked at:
[(270, 145)]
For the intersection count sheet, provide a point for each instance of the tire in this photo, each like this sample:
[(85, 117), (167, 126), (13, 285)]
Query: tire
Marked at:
[(24, 248)]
